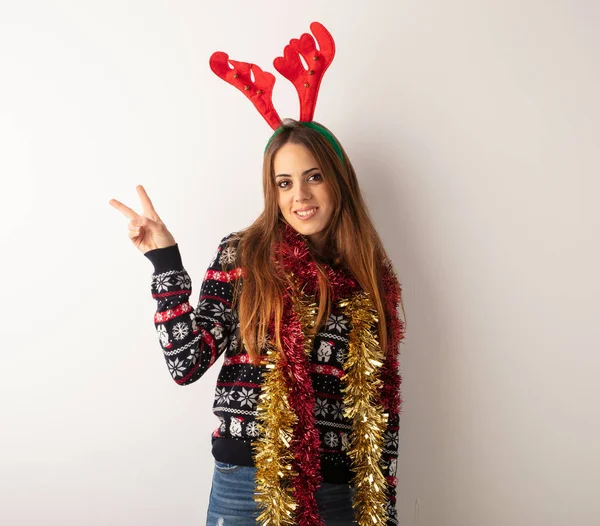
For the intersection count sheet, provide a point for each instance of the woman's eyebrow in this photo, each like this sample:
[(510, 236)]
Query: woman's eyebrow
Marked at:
[(303, 173)]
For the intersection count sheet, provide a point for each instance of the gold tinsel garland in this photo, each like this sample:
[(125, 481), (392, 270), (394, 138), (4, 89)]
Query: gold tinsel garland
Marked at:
[(361, 384), (273, 457)]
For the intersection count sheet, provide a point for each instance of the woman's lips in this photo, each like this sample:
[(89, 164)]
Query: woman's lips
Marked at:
[(307, 214)]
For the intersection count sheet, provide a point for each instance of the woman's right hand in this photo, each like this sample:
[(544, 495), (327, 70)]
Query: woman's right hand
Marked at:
[(146, 231)]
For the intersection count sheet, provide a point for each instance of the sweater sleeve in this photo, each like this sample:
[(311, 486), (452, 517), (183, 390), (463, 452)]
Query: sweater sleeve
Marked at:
[(193, 338)]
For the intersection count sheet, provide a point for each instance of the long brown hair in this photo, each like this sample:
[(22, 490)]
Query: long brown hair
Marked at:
[(351, 238)]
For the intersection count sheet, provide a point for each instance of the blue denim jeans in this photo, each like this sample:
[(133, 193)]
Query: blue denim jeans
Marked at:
[(231, 500)]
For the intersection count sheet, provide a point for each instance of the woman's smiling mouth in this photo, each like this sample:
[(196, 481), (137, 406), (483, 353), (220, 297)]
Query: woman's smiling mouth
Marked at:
[(306, 213)]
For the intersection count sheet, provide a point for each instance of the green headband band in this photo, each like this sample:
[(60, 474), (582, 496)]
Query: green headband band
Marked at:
[(322, 131)]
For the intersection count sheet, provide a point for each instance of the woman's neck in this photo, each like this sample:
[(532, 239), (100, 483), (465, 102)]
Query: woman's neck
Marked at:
[(322, 252)]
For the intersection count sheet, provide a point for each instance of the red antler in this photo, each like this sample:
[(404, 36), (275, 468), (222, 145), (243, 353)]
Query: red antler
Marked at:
[(307, 82), (258, 91)]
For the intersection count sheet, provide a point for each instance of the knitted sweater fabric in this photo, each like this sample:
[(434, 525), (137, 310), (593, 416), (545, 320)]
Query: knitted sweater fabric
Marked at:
[(194, 338)]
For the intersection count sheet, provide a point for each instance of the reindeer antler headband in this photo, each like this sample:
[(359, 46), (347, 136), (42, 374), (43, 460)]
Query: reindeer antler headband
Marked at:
[(306, 81)]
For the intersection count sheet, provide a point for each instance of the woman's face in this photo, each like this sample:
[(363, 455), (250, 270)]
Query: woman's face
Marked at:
[(305, 200)]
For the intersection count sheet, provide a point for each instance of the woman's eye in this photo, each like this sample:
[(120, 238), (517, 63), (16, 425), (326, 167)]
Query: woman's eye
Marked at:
[(286, 183)]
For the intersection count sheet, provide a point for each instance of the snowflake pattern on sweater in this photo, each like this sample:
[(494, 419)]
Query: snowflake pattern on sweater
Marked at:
[(192, 339)]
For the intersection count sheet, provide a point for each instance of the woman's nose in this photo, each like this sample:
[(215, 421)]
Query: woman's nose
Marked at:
[(302, 192)]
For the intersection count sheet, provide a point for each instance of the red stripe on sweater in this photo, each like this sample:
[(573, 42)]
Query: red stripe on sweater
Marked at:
[(237, 359), (178, 292), (326, 369), (224, 276), (162, 317)]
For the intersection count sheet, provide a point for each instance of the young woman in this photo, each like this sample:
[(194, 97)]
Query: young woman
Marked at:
[(301, 361), (303, 304)]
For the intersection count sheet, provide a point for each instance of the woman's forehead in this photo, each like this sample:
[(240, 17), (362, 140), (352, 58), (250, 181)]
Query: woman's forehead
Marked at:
[(293, 159)]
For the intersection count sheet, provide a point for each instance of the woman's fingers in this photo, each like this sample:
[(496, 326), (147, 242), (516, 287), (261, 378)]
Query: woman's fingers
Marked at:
[(125, 210), (133, 233), (145, 230), (147, 206)]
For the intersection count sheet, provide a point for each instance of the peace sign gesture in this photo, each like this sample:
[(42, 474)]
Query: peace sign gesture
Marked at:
[(146, 231)]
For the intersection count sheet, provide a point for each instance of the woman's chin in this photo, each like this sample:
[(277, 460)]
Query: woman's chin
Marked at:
[(307, 230)]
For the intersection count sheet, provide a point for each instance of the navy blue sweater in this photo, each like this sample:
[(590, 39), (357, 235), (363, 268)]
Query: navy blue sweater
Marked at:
[(192, 339)]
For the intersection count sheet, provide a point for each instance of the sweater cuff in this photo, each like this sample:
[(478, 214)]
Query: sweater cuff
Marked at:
[(167, 258)]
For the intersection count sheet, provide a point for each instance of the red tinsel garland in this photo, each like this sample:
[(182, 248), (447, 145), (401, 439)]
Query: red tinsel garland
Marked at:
[(390, 393), (306, 441)]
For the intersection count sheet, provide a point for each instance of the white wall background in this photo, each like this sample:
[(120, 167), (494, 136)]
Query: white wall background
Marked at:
[(473, 126)]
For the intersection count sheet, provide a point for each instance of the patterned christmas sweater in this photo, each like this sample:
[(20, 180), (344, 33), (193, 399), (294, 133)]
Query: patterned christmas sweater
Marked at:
[(192, 339)]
